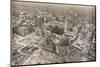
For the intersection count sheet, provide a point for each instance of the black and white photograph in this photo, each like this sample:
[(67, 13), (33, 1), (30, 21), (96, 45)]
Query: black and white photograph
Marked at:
[(52, 33)]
